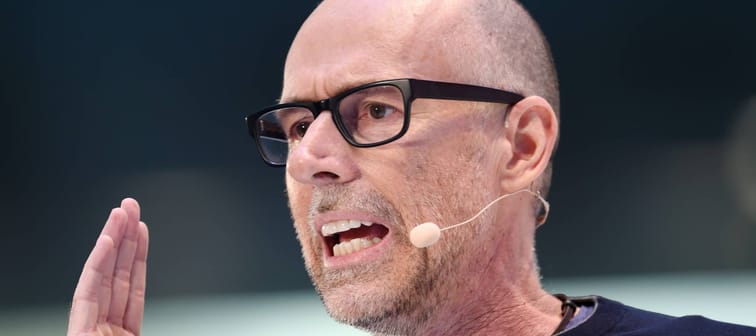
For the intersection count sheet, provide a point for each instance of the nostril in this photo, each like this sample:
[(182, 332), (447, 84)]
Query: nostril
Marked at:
[(325, 175)]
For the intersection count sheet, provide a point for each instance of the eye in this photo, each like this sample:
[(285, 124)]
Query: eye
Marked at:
[(380, 111), (299, 129)]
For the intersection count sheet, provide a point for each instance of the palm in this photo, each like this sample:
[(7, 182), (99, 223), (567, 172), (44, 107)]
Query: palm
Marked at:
[(109, 298)]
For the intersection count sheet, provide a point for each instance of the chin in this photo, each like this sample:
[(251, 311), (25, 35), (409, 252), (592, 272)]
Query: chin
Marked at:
[(395, 302), (374, 310)]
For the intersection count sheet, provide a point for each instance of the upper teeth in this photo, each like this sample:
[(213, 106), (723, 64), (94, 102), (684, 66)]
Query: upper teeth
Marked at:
[(341, 226)]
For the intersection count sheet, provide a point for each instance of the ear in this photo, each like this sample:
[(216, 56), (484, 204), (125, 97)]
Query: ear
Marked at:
[(532, 129)]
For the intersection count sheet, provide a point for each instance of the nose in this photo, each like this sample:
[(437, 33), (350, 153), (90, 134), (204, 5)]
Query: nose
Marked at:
[(322, 157)]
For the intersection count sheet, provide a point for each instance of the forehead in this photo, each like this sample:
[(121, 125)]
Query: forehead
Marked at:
[(345, 43)]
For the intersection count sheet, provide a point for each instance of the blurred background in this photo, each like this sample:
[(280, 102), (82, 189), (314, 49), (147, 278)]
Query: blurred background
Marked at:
[(653, 196)]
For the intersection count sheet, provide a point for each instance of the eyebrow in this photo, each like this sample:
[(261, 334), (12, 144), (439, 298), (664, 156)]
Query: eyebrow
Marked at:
[(344, 86)]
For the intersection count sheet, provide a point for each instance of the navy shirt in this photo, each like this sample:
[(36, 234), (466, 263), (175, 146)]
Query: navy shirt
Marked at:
[(611, 318)]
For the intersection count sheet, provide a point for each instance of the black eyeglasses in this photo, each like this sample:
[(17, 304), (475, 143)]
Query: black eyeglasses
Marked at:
[(366, 116)]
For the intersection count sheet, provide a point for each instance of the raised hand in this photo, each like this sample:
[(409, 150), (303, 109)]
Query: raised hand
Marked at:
[(109, 298)]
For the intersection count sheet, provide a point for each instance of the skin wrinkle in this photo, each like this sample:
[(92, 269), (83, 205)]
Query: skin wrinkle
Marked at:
[(459, 247), (493, 314), (447, 267), (524, 74), (491, 310), (439, 171), (485, 319), (334, 199), (348, 79), (526, 67), (473, 155)]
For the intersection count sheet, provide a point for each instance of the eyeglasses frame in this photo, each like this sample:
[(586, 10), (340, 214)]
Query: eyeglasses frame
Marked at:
[(410, 89)]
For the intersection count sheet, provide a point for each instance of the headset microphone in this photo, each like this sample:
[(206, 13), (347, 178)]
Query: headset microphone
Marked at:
[(428, 233)]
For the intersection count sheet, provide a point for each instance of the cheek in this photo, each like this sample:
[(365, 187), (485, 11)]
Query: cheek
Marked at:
[(452, 179)]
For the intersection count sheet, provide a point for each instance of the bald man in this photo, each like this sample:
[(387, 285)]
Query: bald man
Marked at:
[(395, 113)]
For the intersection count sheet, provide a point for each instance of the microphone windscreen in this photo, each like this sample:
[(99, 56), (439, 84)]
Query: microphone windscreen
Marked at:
[(425, 235)]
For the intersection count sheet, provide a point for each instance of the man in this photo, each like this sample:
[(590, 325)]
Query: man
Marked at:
[(378, 134)]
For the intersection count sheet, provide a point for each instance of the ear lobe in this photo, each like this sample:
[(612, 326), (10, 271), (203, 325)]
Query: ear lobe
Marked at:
[(532, 134)]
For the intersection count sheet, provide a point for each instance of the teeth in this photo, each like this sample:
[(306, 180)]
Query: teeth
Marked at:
[(347, 248), (341, 226), (353, 246)]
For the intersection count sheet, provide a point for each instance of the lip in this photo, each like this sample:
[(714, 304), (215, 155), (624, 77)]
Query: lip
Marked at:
[(363, 256)]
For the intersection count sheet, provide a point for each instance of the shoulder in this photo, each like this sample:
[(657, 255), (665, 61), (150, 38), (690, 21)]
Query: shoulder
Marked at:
[(614, 318)]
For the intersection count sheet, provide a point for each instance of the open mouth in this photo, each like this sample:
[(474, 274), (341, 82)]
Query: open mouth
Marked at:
[(344, 237)]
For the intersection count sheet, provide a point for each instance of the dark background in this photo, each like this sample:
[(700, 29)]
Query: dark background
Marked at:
[(102, 100)]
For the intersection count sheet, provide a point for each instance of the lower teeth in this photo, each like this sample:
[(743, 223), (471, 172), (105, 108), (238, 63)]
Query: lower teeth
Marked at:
[(354, 245)]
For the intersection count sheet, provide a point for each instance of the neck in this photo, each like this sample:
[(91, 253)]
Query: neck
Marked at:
[(527, 314), (497, 311), (499, 294)]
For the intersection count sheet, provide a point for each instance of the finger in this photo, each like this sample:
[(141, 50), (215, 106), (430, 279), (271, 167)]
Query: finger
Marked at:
[(135, 307), (116, 223), (124, 261), (115, 229), (84, 310)]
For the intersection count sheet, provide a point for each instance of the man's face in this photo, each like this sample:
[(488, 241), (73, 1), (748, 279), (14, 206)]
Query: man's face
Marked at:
[(368, 199)]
